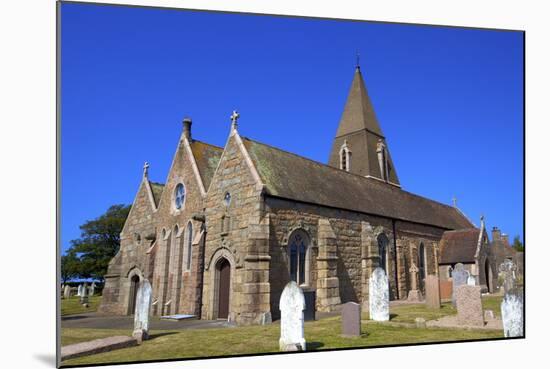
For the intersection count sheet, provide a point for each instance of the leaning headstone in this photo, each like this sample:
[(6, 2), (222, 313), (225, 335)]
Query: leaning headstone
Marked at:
[(471, 281), (433, 299), (468, 305), (143, 306), (460, 277), (379, 296), (67, 292), (351, 319), (84, 294), (292, 305), (507, 273), (512, 314)]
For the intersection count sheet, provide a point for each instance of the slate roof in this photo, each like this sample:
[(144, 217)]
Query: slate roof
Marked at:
[(294, 177), (459, 246), (207, 158), (157, 189)]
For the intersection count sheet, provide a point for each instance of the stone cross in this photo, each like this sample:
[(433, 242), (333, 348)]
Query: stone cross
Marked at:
[(507, 272), (460, 277), (414, 276), (292, 305), (511, 310), (234, 117), (145, 170), (379, 296), (454, 201), (143, 306), (468, 305), (351, 319), (67, 291)]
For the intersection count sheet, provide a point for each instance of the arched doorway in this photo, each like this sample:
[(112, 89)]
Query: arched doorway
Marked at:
[(488, 276), (134, 285), (224, 284)]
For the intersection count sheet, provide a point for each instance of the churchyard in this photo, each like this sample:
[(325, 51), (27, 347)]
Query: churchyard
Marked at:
[(467, 316)]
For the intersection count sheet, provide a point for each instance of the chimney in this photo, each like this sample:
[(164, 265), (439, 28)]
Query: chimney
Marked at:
[(187, 127), (496, 234), (505, 239)]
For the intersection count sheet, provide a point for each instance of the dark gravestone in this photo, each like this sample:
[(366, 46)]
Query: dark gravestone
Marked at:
[(309, 312), (351, 319)]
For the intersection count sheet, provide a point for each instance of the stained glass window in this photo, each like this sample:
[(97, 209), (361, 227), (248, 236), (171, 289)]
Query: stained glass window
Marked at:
[(189, 234), (298, 244), (180, 196)]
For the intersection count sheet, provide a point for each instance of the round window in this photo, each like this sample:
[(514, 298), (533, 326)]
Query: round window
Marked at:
[(179, 196)]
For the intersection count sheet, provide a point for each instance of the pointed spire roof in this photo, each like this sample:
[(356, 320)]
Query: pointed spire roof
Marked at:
[(358, 112)]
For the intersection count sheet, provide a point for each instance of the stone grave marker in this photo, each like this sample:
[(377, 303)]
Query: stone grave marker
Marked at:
[(511, 309), (433, 297), (143, 306), (460, 277), (292, 305), (471, 281), (468, 305), (92, 289), (507, 272), (67, 292), (414, 294), (84, 294), (379, 296), (79, 293), (351, 319)]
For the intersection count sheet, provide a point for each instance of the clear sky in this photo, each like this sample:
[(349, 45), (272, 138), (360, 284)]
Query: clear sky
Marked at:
[(449, 100)]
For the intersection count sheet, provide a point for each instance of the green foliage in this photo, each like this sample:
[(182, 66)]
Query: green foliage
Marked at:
[(89, 256), (72, 305), (517, 244)]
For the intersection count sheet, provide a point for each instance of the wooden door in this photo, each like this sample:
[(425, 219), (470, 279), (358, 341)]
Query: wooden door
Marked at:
[(223, 290)]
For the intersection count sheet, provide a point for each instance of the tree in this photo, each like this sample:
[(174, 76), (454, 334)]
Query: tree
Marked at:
[(517, 244), (99, 242), (70, 266)]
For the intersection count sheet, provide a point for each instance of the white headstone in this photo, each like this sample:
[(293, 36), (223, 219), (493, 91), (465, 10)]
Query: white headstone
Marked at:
[(292, 305), (92, 289), (84, 294), (512, 314), (379, 296), (67, 291), (471, 281), (143, 306), (79, 293)]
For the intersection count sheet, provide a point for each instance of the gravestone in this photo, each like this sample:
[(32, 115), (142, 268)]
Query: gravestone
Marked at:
[(92, 289), (460, 277), (507, 275), (511, 309), (379, 296), (84, 294), (471, 281), (143, 306), (433, 299), (414, 294), (488, 315), (420, 323), (351, 319), (468, 305), (79, 293), (67, 292), (292, 305)]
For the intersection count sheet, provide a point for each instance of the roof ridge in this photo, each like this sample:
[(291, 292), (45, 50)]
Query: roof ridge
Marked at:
[(371, 180), (206, 143)]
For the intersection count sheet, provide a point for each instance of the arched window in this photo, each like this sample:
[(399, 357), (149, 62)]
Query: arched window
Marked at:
[(383, 250), (188, 245), (421, 263), (345, 157), (298, 245), (179, 196)]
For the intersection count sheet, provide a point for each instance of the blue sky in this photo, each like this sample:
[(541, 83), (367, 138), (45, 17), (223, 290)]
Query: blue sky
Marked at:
[(449, 100)]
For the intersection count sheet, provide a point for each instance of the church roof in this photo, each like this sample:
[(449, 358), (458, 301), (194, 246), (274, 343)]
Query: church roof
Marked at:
[(459, 246), (157, 189), (294, 177), (207, 158), (358, 112)]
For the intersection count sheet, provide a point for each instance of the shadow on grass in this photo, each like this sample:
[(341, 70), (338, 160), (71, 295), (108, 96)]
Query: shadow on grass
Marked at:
[(312, 346), (157, 335), (392, 316), (74, 317)]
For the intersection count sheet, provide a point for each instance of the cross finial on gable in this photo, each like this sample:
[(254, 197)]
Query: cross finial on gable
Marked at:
[(234, 118), (146, 170), (454, 201), (357, 60)]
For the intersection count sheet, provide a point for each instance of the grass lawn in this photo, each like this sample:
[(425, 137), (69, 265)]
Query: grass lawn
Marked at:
[(320, 335), (72, 305), (492, 303)]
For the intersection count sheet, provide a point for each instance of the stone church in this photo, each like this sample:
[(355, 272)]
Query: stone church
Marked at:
[(231, 226)]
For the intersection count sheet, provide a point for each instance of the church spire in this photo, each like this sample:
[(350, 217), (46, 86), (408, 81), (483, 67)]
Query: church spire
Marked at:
[(359, 127)]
